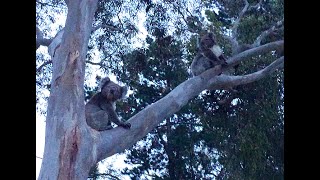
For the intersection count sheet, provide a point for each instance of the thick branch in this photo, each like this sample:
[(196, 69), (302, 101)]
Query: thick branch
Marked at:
[(233, 41), (237, 48), (147, 119), (277, 45), (55, 42), (225, 81), (40, 40)]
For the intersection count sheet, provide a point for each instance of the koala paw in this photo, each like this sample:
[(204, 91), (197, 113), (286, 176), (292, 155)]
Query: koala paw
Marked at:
[(126, 125)]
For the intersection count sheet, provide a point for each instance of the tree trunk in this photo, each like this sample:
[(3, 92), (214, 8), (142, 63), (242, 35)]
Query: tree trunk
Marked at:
[(68, 152)]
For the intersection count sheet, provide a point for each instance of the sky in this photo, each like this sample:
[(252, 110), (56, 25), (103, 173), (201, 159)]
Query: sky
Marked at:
[(117, 161)]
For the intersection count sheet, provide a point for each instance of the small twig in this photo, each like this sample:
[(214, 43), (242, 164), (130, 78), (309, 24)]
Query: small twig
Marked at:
[(104, 174), (58, 5), (105, 26), (38, 157), (255, 6), (42, 65), (93, 63)]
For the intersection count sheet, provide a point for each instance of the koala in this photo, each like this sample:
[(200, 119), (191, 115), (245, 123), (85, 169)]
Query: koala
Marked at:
[(210, 55), (100, 109)]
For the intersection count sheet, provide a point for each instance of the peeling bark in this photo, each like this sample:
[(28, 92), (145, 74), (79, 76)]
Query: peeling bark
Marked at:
[(68, 154)]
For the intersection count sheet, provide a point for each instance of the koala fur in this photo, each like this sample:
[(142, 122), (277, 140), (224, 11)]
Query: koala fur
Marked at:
[(100, 109), (209, 55)]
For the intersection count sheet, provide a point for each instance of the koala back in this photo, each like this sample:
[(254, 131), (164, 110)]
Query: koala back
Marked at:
[(200, 64)]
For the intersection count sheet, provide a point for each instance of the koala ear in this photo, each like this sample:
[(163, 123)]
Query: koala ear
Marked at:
[(103, 82), (124, 90)]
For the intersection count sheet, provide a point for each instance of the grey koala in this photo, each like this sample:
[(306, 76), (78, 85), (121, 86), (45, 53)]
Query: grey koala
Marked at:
[(210, 55), (100, 109)]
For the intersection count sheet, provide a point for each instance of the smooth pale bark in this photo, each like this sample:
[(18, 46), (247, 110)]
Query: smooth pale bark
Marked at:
[(68, 148), (71, 147)]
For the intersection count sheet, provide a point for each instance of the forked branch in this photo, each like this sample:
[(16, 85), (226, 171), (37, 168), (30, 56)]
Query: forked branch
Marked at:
[(147, 119)]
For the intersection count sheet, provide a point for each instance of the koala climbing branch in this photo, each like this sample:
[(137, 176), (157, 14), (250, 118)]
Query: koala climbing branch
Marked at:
[(100, 109)]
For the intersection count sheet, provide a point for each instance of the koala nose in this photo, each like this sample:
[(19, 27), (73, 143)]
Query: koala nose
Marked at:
[(111, 91)]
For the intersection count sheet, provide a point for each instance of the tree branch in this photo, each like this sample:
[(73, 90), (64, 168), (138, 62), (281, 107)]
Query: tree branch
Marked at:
[(267, 32), (55, 44), (93, 63), (224, 81), (237, 21), (277, 45), (189, 20), (104, 174), (40, 40), (112, 28), (236, 48), (255, 6), (149, 118), (42, 65), (56, 4), (39, 157), (233, 41)]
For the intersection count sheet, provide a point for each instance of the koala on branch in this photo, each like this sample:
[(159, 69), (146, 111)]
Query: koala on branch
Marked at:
[(210, 55), (100, 109)]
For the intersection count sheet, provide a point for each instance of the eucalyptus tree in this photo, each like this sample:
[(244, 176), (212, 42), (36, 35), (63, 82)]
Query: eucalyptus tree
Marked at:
[(71, 146)]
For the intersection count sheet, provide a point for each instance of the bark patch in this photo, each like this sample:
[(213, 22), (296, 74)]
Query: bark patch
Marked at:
[(68, 155)]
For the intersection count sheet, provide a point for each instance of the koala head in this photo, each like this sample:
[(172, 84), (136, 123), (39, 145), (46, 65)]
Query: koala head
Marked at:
[(207, 41), (112, 91)]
